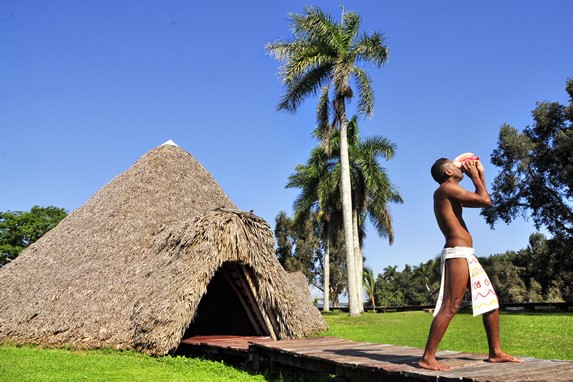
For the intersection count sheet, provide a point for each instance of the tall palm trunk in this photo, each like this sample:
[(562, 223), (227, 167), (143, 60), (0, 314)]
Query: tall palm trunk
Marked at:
[(347, 207), (326, 286), (359, 263)]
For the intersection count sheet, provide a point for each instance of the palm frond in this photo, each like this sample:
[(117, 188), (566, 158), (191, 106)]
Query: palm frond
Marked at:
[(365, 91), (381, 219), (281, 50), (378, 146), (351, 27), (299, 88), (371, 48), (315, 26), (323, 129), (395, 196)]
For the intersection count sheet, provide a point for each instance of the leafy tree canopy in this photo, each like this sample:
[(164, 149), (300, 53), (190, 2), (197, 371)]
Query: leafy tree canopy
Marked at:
[(19, 229), (536, 170)]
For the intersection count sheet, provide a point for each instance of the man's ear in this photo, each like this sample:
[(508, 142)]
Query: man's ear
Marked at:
[(448, 171)]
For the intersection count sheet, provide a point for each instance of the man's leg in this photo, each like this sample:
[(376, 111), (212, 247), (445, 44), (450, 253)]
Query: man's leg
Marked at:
[(456, 281), (491, 325)]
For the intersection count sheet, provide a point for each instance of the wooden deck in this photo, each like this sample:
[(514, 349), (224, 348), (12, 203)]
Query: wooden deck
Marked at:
[(235, 348), (362, 361)]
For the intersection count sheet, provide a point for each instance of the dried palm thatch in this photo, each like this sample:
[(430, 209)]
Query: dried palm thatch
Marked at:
[(299, 279), (130, 267)]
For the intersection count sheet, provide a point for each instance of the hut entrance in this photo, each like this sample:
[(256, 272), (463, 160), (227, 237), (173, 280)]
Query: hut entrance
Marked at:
[(230, 307)]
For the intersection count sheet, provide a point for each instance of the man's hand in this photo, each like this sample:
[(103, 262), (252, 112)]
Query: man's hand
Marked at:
[(475, 171), (471, 168)]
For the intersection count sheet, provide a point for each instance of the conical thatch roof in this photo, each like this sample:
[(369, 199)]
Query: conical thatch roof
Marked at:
[(130, 268)]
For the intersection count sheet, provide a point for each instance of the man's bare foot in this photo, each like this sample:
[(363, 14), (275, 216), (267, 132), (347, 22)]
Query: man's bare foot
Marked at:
[(502, 357), (433, 364)]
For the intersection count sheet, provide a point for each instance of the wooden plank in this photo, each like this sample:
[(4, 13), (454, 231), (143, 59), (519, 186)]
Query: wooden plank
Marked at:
[(298, 345), (364, 361), (356, 354), (241, 343), (312, 341), (318, 364), (487, 371), (455, 360), (386, 355), (557, 371), (511, 371), (468, 365), (347, 352), (362, 355), (269, 356), (329, 353), (340, 347)]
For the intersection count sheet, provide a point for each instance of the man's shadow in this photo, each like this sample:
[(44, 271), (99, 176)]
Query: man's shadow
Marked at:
[(397, 359)]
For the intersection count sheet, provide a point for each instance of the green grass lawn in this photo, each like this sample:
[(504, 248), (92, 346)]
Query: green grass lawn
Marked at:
[(540, 335), (30, 364)]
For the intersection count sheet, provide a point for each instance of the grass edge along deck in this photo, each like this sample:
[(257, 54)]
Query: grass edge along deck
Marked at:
[(365, 361)]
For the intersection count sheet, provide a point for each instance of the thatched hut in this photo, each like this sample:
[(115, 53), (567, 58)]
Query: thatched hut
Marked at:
[(157, 254)]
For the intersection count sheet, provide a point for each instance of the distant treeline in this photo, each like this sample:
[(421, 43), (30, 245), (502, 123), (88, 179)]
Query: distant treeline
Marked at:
[(542, 272)]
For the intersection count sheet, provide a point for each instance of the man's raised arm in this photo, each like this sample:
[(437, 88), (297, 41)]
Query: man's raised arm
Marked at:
[(476, 173)]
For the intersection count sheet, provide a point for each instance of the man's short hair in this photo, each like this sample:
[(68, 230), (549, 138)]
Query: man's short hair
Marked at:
[(439, 171)]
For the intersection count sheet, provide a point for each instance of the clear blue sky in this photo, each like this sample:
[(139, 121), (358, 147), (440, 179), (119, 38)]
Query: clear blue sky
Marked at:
[(88, 87)]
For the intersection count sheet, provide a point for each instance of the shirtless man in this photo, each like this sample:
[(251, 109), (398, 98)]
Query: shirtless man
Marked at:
[(449, 199)]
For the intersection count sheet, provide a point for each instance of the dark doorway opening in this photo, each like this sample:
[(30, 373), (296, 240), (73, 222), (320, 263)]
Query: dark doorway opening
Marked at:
[(228, 307)]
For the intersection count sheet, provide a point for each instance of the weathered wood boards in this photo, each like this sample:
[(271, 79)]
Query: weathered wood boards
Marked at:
[(363, 361)]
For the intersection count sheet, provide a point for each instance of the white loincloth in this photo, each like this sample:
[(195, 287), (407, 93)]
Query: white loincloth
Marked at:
[(484, 298)]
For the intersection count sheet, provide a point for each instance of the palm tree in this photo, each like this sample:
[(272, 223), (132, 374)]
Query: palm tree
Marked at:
[(323, 58), (372, 190), (369, 284), (390, 273), (428, 274), (319, 181), (317, 197)]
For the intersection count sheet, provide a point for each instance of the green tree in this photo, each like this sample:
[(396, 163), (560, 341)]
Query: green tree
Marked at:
[(506, 277), (297, 249), (428, 276), (296, 246), (547, 264), (284, 237), (412, 291), (390, 272), (417, 285), (323, 57), (307, 249), (387, 290), (534, 292), (19, 229), (338, 270), (536, 170)]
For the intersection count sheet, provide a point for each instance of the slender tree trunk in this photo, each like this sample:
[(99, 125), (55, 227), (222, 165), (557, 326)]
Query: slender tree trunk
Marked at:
[(373, 300), (347, 210), (326, 288), (359, 263), (359, 269)]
